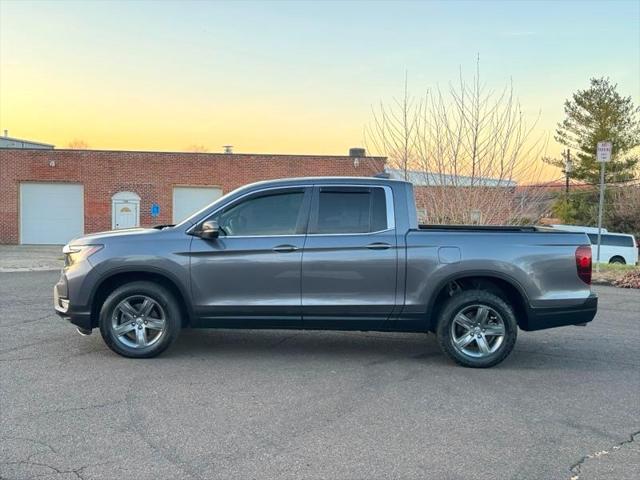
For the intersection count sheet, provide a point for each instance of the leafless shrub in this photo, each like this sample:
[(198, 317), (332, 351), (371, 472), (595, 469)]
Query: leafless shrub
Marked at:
[(196, 149), (464, 149), (78, 144), (623, 212)]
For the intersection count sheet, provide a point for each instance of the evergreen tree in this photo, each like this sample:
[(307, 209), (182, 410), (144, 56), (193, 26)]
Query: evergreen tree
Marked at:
[(598, 114)]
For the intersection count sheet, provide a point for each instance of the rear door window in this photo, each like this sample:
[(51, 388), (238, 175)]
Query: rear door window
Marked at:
[(618, 240), (611, 240), (345, 210)]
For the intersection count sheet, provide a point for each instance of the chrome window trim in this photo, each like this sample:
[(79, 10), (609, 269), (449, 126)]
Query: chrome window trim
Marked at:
[(388, 195), (348, 234), (263, 236)]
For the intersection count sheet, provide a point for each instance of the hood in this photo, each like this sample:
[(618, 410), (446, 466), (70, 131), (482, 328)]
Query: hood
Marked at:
[(124, 234)]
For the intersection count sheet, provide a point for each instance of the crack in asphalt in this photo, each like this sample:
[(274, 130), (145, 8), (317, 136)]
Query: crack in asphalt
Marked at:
[(137, 427), (75, 471), (80, 409), (282, 340), (342, 409), (24, 322), (49, 449), (576, 468), (571, 357), (35, 344), (31, 440), (26, 359), (62, 359)]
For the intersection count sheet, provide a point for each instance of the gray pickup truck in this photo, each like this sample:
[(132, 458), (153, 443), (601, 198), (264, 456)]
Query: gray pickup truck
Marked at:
[(331, 254)]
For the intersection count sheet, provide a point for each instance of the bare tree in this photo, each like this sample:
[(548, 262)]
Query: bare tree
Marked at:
[(196, 149), (464, 149), (624, 213), (78, 144)]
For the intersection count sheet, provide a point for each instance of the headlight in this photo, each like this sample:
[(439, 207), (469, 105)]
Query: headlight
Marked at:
[(77, 253)]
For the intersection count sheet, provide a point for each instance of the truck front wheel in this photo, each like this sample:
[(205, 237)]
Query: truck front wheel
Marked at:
[(140, 319), (477, 329)]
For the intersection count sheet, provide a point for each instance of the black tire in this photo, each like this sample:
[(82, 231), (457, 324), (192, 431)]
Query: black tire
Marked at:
[(163, 297), (468, 299), (618, 260)]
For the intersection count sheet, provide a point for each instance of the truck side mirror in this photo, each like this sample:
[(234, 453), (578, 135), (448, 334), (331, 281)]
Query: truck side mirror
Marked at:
[(209, 230)]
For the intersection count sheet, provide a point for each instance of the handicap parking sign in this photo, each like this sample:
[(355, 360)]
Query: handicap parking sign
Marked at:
[(155, 209)]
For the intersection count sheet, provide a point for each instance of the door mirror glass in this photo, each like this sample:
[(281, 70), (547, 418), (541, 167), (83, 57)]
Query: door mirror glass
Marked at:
[(209, 229)]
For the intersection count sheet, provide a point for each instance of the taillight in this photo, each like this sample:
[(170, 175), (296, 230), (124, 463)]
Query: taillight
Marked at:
[(583, 263)]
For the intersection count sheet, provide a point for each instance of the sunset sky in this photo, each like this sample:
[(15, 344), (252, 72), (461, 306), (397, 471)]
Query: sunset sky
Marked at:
[(287, 77)]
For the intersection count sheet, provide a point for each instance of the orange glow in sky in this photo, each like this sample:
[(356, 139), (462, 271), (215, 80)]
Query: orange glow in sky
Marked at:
[(287, 77)]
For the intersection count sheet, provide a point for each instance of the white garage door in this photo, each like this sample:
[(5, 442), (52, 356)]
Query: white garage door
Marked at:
[(51, 213), (188, 200)]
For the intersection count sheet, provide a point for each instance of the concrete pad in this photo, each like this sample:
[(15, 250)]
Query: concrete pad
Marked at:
[(30, 258)]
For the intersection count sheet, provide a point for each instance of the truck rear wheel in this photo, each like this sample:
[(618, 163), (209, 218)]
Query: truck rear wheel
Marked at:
[(477, 329), (140, 319)]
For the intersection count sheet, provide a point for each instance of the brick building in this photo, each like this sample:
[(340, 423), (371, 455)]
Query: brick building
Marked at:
[(50, 196)]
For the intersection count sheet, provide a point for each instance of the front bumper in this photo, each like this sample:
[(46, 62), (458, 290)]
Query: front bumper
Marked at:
[(550, 317), (65, 309)]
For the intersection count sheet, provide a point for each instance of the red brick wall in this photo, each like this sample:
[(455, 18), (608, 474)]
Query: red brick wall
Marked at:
[(152, 175)]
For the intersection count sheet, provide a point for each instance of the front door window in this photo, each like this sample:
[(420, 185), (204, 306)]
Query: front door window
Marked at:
[(265, 215)]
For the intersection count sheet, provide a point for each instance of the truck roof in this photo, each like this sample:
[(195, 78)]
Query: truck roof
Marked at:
[(328, 180)]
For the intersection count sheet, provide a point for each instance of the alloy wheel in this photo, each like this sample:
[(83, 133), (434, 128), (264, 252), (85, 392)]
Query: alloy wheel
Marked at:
[(477, 331), (138, 321)]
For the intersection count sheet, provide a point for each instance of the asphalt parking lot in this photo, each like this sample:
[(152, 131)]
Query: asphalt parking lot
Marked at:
[(283, 404)]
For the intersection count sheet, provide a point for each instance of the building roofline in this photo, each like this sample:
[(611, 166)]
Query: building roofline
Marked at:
[(219, 154), (23, 140), (423, 178)]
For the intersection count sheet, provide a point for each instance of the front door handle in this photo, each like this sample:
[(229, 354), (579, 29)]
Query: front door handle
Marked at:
[(285, 248), (378, 246)]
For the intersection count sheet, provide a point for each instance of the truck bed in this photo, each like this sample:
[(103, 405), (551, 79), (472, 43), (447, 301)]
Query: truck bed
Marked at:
[(487, 228)]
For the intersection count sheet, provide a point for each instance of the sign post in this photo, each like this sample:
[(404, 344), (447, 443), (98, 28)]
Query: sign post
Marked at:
[(603, 155)]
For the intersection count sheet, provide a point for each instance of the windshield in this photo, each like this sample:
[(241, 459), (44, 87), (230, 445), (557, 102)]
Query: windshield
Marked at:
[(191, 219)]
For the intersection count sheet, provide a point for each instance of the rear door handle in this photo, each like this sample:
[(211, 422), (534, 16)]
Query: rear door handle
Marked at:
[(378, 246), (285, 248)]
